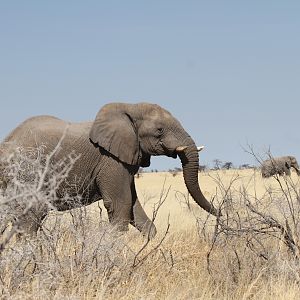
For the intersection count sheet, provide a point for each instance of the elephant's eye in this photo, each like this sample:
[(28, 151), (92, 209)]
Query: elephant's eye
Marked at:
[(160, 131)]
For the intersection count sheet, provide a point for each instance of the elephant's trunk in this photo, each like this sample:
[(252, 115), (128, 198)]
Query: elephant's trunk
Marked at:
[(190, 164), (296, 167)]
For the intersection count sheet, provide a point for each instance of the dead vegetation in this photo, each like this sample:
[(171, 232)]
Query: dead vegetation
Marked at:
[(251, 252)]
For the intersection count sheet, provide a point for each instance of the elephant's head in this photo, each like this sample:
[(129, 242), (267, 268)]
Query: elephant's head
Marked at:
[(134, 132), (291, 162)]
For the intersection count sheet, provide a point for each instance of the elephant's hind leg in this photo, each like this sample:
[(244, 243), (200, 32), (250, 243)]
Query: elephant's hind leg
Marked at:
[(30, 223)]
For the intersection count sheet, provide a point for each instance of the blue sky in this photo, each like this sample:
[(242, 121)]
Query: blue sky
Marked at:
[(228, 70)]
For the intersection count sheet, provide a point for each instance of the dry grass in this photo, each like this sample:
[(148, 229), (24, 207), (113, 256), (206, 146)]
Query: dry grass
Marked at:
[(78, 255)]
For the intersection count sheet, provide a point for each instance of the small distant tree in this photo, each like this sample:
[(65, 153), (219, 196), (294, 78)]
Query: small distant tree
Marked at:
[(217, 164), (177, 169), (202, 168), (227, 165), (173, 172), (244, 166)]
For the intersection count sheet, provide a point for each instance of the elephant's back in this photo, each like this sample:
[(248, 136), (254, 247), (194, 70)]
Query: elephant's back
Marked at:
[(80, 129), (47, 132), (266, 163), (35, 131), (273, 166), (276, 161)]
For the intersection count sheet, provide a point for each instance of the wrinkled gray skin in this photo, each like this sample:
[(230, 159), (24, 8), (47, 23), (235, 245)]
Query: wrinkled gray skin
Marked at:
[(113, 147), (279, 165)]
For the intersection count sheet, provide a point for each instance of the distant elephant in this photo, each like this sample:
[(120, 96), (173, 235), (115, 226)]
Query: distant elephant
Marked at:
[(121, 139), (279, 165)]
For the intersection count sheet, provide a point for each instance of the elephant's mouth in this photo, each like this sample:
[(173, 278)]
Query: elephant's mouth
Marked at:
[(172, 154), (168, 152)]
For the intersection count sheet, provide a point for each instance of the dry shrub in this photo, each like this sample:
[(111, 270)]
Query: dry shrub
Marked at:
[(75, 253), (30, 180), (252, 251), (72, 256), (256, 241)]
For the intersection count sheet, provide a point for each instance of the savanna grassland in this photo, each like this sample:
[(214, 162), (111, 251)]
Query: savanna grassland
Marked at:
[(250, 252)]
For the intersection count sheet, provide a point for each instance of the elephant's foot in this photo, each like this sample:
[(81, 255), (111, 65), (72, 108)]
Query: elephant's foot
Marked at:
[(120, 226), (148, 229)]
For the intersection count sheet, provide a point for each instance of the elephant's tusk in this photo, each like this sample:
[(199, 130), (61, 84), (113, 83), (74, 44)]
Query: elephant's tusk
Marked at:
[(181, 148)]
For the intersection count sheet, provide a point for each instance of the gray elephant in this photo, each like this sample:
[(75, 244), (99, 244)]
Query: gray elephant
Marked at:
[(279, 165), (122, 138)]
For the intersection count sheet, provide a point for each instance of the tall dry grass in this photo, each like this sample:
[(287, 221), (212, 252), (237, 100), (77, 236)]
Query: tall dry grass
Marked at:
[(251, 252)]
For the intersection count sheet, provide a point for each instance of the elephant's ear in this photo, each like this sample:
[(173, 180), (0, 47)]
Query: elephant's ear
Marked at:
[(288, 164), (113, 130)]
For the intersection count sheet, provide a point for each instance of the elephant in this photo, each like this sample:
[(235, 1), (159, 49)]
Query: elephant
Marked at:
[(112, 148), (279, 165)]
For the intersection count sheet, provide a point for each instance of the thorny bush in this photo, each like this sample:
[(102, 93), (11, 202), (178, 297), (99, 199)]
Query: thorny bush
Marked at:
[(72, 250), (259, 232)]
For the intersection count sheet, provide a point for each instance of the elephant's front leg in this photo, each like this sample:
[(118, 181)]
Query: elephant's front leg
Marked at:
[(114, 182), (287, 171), (140, 219)]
